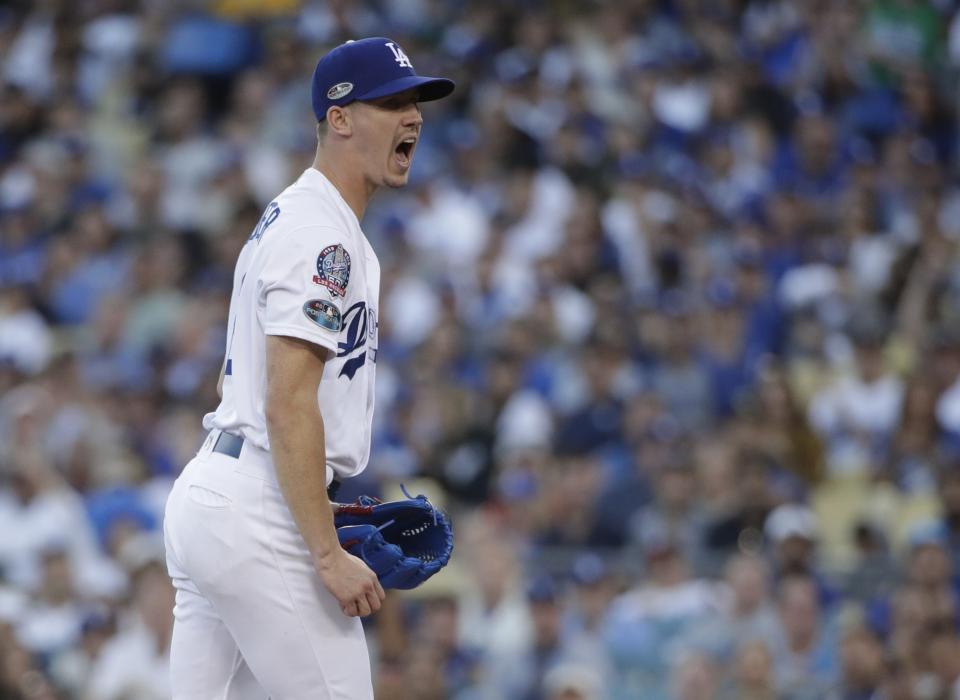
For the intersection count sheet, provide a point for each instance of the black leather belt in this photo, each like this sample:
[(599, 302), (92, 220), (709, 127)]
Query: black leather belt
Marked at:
[(230, 445)]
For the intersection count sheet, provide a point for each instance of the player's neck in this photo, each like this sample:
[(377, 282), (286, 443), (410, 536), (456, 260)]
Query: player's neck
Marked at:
[(356, 191)]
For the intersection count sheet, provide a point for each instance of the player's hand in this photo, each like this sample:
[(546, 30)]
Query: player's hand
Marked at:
[(351, 582)]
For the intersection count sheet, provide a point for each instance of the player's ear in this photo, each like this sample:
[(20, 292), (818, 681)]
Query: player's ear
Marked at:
[(339, 121)]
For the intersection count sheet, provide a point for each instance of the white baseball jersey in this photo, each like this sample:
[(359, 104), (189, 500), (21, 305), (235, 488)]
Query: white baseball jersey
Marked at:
[(308, 272)]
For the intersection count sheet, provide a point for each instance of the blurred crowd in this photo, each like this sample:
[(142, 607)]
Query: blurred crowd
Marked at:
[(670, 324)]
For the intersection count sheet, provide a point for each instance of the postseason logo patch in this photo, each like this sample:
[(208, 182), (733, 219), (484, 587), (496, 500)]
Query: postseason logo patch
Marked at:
[(333, 269), (323, 313), (339, 90)]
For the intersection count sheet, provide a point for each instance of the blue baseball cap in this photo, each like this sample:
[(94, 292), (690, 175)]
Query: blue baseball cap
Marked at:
[(367, 69)]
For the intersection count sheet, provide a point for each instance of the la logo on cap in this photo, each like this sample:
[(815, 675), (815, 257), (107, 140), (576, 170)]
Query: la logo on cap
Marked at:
[(399, 56)]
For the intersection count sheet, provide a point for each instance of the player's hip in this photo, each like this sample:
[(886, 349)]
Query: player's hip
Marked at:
[(219, 519)]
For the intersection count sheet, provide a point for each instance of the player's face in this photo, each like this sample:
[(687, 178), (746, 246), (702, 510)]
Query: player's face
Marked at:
[(389, 129)]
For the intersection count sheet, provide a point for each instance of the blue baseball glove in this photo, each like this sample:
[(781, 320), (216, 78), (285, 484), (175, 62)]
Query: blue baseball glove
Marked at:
[(404, 542)]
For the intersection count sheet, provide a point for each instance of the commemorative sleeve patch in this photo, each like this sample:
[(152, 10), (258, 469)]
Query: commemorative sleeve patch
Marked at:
[(323, 313), (333, 269)]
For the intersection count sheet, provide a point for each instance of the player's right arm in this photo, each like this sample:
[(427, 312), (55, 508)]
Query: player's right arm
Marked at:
[(302, 323), (296, 433)]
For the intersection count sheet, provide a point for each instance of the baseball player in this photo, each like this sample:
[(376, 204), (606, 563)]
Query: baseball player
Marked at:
[(268, 603)]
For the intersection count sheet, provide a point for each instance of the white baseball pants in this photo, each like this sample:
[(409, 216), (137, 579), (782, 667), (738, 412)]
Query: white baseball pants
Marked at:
[(252, 619)]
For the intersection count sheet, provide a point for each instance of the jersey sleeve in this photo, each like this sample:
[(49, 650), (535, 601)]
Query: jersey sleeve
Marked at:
[(304, 284)]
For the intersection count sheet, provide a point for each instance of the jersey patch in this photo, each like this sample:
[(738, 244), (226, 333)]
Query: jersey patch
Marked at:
[(333, 269), (323, 313)]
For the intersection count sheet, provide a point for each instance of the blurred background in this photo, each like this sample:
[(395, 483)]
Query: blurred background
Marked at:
[(670, 323)]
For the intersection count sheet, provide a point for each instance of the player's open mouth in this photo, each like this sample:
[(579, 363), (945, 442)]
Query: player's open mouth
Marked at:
[(404, 151)]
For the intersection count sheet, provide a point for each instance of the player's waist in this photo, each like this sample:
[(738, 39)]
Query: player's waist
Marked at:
[(252, 460)]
